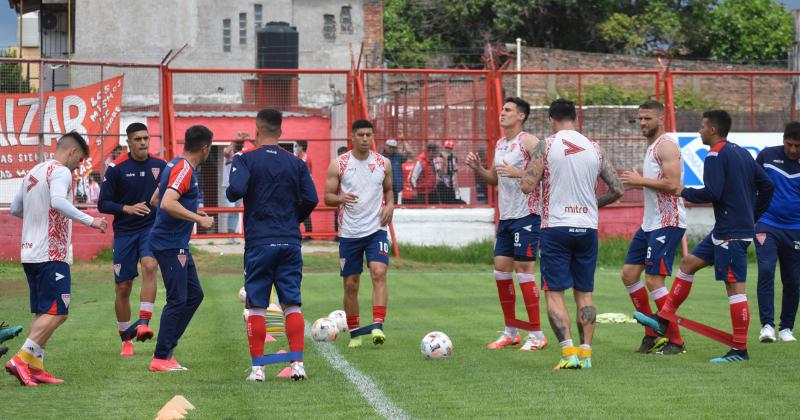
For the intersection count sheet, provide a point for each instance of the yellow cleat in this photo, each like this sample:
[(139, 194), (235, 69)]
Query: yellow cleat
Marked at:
[(378, 337), (354, 342), (569, 362)]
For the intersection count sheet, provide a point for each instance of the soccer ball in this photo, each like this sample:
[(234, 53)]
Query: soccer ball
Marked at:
[(436, 345), (242, 295), (339, 317), (324, 329)]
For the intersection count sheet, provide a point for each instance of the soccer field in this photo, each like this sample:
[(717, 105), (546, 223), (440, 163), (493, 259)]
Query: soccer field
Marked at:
[(474, 383)]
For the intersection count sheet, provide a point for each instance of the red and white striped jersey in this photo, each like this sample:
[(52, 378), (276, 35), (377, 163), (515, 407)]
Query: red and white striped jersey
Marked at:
[(511, 201), (363, 178), (571, 166), (46, 231), (660, 209)]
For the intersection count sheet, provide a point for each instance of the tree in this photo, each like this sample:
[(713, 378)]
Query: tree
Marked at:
[(750, 30), (11, 80), (404, 43)]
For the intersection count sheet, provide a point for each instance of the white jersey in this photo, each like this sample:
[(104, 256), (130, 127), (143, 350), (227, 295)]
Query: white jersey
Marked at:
[(571, 166), (363, 178), (660, 209), (511, 201), (44, 201)]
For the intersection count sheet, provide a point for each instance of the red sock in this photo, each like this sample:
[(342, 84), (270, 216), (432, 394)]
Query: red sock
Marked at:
[(256, 332), (295, 330), (353, 322), (678, 293), (507, 294), (673, 332), (740, 319), (530, 295), (145, 312), (641, 302), (378, 314)]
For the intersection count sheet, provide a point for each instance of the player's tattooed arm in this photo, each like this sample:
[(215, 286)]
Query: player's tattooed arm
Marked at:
[(609, 176), (535, 169)]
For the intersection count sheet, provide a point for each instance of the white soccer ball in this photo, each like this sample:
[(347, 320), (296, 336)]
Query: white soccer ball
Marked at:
[(242, 294), (339, 317), (324, 329), (436, 345)]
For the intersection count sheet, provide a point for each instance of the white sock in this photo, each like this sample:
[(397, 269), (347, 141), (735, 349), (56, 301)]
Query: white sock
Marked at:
[(123, 326), (586, 346), (510, 331), (146, 306), (538, 335), (33, 348), (566, 343)]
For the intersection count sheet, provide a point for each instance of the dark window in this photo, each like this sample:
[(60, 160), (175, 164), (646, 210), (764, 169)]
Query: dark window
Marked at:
[(257, 14), (242, 28), (346, 20), (226, 35), (329, 27)]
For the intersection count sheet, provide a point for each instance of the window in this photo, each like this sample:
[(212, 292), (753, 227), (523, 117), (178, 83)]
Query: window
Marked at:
[(257, 11), (345, 20), (226, 35), (242, 28), (329, 27)]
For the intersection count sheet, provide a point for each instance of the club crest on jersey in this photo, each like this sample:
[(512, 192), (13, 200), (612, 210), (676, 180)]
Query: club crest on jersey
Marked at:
[(571, 148), (117, 268), (761, 237), (182, 259), (371, 167), (156, 172), (513, 146), (65, 297)]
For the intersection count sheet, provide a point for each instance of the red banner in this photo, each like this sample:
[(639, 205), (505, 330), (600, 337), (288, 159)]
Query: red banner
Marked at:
[(93, 111)]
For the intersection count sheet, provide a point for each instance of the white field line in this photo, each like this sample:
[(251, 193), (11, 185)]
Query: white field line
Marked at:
[(363, 383)]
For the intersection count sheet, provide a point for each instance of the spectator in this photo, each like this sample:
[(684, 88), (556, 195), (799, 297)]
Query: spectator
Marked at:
[(423, 177), (446, 181), (300, 148), (230, 150), (94, 188), (397, 159)]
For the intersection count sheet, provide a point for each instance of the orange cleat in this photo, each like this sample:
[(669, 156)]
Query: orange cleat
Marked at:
[(21, 371), (143, 332), (178, 365), (127, 349), (505, 340), (164, 365), (44, 377), (533, 344)]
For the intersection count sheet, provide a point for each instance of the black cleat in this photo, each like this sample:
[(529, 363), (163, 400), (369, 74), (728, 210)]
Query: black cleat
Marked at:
[(671, 348), (651, 344), (732, 355)]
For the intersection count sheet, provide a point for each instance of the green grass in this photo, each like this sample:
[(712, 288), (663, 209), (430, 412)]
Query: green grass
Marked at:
[(460, 300)]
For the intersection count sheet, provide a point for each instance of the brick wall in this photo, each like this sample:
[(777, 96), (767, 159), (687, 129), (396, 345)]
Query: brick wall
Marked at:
[(373, 33)]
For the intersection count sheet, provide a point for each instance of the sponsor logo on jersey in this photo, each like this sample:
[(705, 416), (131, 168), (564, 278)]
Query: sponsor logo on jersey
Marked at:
[(32, 181), (27, 245), (141, 173), (527, 228), (130, 174), (662, 239), (797, 245), (59, 276), (274, 152), (571, 148), (576, 209)]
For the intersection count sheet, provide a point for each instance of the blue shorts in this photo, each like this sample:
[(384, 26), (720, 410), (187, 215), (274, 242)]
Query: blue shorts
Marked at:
[(50, 285), (518, 238), (129, 248), (729, 258), (268, 265), (569, 257), (655, 249), (353, 250)]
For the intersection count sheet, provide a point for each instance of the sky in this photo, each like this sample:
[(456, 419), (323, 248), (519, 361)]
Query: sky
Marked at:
[(8, 21)]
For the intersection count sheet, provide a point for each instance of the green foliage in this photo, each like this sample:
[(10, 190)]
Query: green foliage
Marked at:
[(658, 27), (692, 100), (11, 80), (750, 30), (403, 42), (601, 94)]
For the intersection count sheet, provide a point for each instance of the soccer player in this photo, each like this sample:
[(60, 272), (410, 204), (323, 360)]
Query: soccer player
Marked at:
[(778, 236), (128, 185), (177, 200), (278, 195), (359, 182), (567, 164), (44, 202), (740, 191), (652, 249), (517, 237)]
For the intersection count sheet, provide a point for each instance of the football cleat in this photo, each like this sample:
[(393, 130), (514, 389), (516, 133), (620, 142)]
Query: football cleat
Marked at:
[(671, 348), (586, 363), (143, 332), (298, 371), (505, 340), (165, 365), (655, 322), (21, 371), (378, 337), (127, 349), (7, 333), (3, 350), (569, 362), (767, 334), (533, 343), (786, 335), (256, 374), (44, 377), (732, 355), (354, 342), (651, 344)]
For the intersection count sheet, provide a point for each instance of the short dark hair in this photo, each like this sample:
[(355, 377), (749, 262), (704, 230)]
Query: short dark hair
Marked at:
[(341, 150), (720, 120), (270, 119), (134, 127), (652, 105), (358, 124), (196, 137), (562, 109), (77, 139), (522, 105), (792, 131)]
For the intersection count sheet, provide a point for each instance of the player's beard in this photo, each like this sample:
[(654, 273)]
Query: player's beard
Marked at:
[(650, 133)]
